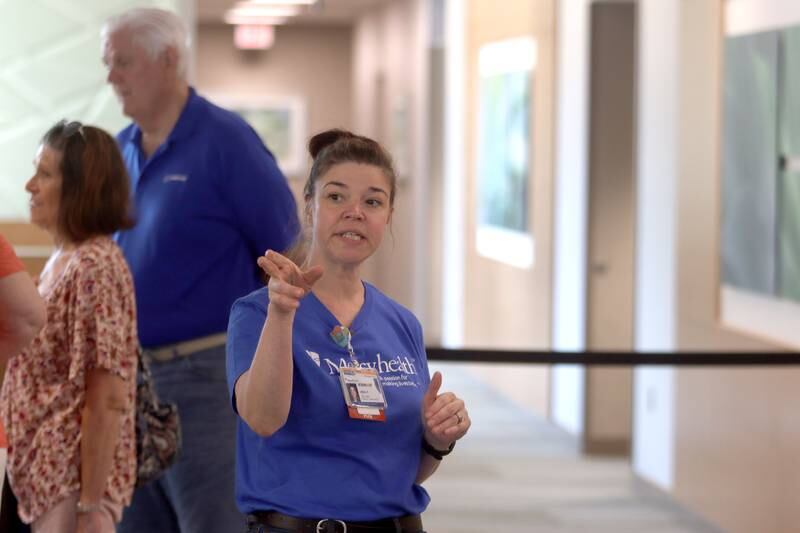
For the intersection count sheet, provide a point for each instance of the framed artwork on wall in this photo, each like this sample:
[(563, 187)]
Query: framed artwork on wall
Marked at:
[(279, 121), (760, 219), (504, 154)]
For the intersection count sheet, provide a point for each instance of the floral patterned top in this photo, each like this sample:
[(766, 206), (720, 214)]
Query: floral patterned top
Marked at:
[(91, 323)]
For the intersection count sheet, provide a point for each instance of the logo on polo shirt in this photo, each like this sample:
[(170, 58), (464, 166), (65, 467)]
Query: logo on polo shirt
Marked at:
[(314, 356), (175, 177)]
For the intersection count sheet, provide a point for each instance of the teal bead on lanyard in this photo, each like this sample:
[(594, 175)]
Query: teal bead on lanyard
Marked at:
[(341, 335)]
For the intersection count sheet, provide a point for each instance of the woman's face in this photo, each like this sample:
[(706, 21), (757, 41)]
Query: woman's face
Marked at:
[(45, 188), (349, 213)]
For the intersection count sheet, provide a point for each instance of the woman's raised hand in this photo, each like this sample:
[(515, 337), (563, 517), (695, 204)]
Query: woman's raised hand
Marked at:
[(288, 283)]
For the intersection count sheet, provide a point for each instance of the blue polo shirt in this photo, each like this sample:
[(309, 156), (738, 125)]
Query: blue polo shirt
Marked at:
[(322, 463), (208, 202)]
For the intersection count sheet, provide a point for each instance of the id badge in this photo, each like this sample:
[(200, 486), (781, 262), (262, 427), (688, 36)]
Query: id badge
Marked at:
[(363, 393)]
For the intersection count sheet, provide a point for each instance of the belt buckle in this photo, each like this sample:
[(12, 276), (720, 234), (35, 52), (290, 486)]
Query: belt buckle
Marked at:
[(321, 522)]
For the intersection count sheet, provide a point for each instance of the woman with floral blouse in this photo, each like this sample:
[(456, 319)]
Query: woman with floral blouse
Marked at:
[(68, 398)]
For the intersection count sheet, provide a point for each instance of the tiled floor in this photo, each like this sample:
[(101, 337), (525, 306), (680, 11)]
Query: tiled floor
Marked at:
[(514, 472)]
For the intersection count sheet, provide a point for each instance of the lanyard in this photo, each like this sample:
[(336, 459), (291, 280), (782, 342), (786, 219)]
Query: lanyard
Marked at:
[(342, 336)]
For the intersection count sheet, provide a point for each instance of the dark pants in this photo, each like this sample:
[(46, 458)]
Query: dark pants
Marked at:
[(9, 519)]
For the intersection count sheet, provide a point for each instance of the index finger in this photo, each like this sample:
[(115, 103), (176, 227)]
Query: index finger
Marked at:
[(280, 260), (271, 268)]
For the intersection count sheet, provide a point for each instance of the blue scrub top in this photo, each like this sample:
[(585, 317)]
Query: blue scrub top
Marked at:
[(322, 463)]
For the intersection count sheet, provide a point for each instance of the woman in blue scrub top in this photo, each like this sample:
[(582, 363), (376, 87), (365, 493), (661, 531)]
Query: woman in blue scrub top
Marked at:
[(339, 420)]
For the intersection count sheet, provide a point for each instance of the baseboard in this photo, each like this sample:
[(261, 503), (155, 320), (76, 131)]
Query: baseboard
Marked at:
[(608, 447)]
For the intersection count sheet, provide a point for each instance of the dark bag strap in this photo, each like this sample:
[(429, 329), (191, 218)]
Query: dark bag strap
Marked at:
[(144, 378)]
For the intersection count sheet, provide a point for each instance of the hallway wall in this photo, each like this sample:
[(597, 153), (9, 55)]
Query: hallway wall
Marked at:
[(390, 102), (736, 430), (364, 77), (731, 434), (504, 306), (323, 85)]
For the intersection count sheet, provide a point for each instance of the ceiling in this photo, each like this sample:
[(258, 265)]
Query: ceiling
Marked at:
[(323, 12)]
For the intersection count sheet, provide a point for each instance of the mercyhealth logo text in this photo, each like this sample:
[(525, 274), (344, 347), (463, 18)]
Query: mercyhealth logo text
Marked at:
[(398, 364)]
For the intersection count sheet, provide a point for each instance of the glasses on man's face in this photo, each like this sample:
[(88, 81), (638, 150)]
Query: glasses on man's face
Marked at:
[(71, 128)]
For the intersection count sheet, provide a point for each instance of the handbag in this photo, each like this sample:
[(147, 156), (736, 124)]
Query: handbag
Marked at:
[(158, 429)]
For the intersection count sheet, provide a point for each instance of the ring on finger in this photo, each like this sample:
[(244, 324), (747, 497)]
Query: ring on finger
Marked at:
[(458, 417)]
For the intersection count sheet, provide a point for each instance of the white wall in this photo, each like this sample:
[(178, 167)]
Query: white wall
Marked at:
[(568, 396), (656, 252), (751, 16), (571, 204), (654, 425), (420, 141), (453, 195)]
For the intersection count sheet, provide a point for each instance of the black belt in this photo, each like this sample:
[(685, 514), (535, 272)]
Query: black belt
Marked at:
[(403, 524)]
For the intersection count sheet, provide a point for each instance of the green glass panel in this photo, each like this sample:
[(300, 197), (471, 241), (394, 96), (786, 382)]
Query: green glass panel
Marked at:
[(789, 197), (750, 162), (50, 68), (35, 26)]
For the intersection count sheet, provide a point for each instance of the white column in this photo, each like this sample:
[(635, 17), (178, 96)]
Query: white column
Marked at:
[(656, 238), (455, 181), (570, 211)]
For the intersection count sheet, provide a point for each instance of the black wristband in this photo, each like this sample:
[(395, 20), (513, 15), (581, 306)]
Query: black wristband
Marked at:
[(433, 452)]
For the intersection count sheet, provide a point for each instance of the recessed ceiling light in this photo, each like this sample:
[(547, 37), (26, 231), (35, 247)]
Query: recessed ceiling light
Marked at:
[(284, 2), (265, 10), (231, 18), (248, 10), (253, 37)]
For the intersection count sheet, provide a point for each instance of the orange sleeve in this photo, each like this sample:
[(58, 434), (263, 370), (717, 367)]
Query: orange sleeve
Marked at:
[(9, 263)]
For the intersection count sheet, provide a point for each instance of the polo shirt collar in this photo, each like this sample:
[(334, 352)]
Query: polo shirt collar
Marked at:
[(187, 119), (183, 127)]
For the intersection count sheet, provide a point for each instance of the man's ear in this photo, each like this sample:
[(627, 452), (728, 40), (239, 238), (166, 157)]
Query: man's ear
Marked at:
[(170, 57)]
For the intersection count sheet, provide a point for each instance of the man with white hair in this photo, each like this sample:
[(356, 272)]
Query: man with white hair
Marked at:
[(209, 200)]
